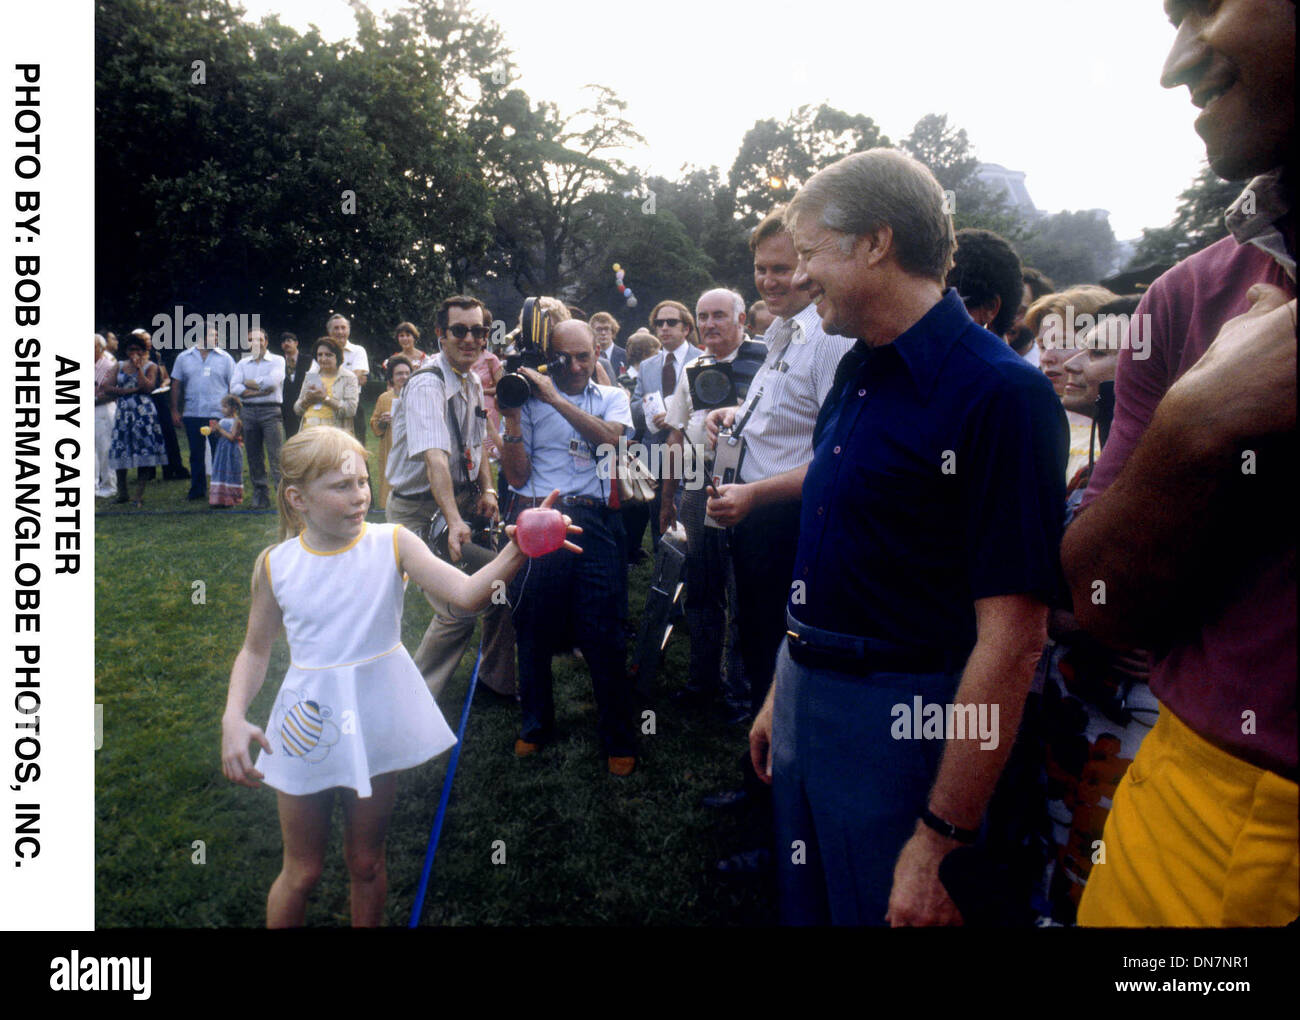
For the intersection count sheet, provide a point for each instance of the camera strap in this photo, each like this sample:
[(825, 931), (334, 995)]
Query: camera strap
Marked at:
[(739, 426), (457, 434)]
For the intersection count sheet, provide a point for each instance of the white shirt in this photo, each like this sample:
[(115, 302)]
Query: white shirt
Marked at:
[(793, 382), (267, 372)]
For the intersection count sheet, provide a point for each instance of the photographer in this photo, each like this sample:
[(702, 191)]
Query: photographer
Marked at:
[(721, 318), (436, 465), (554, 441)]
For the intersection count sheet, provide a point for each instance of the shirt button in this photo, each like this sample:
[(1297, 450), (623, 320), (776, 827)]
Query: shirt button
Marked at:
[(862, 393), (836, 450)]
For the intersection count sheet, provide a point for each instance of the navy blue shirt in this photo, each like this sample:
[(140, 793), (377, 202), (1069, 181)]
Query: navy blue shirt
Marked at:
[(938, 478)]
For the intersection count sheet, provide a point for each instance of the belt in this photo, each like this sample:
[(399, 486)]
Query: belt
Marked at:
[(848, 653), (586, 502)]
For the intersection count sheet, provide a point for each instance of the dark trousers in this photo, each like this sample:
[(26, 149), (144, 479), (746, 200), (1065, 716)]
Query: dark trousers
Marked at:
[(635, 518), (564, 599), (706, 572), (174, 468), (763, 548), (846, 794), (198, 462)]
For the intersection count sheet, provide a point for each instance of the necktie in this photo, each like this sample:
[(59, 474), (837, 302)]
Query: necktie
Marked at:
[(669, 376)]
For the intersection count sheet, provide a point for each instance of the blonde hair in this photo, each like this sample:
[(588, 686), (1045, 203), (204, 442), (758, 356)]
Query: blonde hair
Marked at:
[(1087, 299), (303, 459)]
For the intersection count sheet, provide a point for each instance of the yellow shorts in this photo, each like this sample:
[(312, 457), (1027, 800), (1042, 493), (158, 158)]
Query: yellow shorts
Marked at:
[(1196, 838)]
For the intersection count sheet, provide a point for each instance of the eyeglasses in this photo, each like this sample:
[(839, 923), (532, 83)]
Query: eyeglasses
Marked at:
[(460, 331), (660, 323)]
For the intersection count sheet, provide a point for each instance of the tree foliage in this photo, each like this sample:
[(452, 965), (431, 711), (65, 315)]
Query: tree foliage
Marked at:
[(223, 186), (776, 158), (949, 154), (1070, 247)]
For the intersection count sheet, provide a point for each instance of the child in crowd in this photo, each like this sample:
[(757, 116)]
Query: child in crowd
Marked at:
[(353, 710), (226, 487)]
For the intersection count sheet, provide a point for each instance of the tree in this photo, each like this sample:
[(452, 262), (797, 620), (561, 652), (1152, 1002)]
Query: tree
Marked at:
[(1198, 222), (775, 159), (1071, 247), (541, 166), (948, 152), (284, 176)]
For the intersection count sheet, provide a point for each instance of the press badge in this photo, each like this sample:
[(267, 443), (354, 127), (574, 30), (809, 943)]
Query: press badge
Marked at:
[(580, 452)]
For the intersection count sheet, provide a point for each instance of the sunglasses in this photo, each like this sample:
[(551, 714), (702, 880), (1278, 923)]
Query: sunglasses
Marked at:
[(460, 331), (667, 322)]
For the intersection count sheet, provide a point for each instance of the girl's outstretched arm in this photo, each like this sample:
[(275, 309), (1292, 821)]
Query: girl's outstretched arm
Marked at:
[(246, 679), (469, 593)]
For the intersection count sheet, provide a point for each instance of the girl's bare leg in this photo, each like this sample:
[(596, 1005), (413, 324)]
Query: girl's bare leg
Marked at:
[(305, 826), (365, 828)]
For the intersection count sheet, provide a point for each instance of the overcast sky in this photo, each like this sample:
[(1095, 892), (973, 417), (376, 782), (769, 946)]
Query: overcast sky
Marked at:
[(1069, 93)]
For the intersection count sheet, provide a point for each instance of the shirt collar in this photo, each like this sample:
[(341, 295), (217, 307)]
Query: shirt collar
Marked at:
[(459, 376), (1254, 216), (924, 346)]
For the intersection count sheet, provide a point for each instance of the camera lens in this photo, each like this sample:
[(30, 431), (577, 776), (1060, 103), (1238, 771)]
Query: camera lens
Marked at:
[(513, 390)]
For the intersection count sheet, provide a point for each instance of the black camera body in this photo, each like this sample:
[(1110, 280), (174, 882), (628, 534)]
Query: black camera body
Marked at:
[(533, 350)]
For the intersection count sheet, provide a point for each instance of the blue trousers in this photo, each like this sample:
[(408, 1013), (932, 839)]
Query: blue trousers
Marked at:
[(846, 795), (566, 599)]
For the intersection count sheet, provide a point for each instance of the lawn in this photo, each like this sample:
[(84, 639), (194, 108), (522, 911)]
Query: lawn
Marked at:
[(580, 847)]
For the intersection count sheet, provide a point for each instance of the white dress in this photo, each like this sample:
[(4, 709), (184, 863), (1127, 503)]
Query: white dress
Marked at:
[(353, 704)]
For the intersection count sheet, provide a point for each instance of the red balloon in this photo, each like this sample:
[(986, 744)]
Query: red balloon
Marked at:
[(540, 530)]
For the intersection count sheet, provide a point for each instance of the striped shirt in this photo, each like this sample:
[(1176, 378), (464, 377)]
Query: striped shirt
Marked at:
[(787, 393), (422, 420)]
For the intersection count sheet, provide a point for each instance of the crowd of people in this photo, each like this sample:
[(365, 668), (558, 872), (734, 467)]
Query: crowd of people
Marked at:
[(1014, 603)]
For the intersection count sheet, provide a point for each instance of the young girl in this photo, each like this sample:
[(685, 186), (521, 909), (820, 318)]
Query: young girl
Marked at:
[(227, 485), (353, 709)]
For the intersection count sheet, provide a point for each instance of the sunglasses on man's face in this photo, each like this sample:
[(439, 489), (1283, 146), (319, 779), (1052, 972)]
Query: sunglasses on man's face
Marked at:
[(660, 323), (460, 331)]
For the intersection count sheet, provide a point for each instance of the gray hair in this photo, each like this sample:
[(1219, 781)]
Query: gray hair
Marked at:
[(861, 193), (737, 302)]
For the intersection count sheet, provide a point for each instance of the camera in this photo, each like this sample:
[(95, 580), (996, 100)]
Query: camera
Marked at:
[(533, 350), (712, 384), (485, 538), (726, 464)]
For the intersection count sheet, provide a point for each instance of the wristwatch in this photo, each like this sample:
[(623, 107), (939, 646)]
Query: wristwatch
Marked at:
[(512, 439), (946, 828)]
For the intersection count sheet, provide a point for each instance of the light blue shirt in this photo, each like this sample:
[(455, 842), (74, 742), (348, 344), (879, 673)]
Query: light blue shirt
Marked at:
[(560, 456), (205, 380)]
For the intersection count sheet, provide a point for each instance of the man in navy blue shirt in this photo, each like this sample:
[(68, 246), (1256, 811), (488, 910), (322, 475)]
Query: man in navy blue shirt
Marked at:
[(928, 550)]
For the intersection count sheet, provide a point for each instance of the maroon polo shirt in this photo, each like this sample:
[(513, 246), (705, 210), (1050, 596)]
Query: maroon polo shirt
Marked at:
[(1245, 657)]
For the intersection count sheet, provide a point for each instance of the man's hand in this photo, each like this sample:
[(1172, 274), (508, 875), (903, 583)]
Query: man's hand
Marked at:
[(667, 516), (660, 421), (730, 504), (487, 506), (718, 418), (543, 385), (918, 898), (760, 738), (1245, 382), (458, 534), (176, 419)]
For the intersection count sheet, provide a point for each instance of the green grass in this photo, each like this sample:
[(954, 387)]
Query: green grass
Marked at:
[(581, 847)]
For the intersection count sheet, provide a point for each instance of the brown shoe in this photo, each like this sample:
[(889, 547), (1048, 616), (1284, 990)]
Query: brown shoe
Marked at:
[(621, 766), (524, 748)]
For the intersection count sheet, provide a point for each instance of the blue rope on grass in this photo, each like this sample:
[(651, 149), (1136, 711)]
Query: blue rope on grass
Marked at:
[(436, 834)]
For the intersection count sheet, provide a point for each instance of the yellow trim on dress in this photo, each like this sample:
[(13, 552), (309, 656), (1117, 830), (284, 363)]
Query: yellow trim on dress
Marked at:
[(344, 665), (316, 552)]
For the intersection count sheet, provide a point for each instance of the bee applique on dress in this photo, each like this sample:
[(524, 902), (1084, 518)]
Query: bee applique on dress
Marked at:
[(353, 705), (304, 727)]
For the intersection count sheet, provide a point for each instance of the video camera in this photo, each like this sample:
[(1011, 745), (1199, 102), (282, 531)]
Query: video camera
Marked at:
[(533, 347)]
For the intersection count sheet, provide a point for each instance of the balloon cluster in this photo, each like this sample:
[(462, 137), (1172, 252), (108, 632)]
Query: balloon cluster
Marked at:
[(623, 289)]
